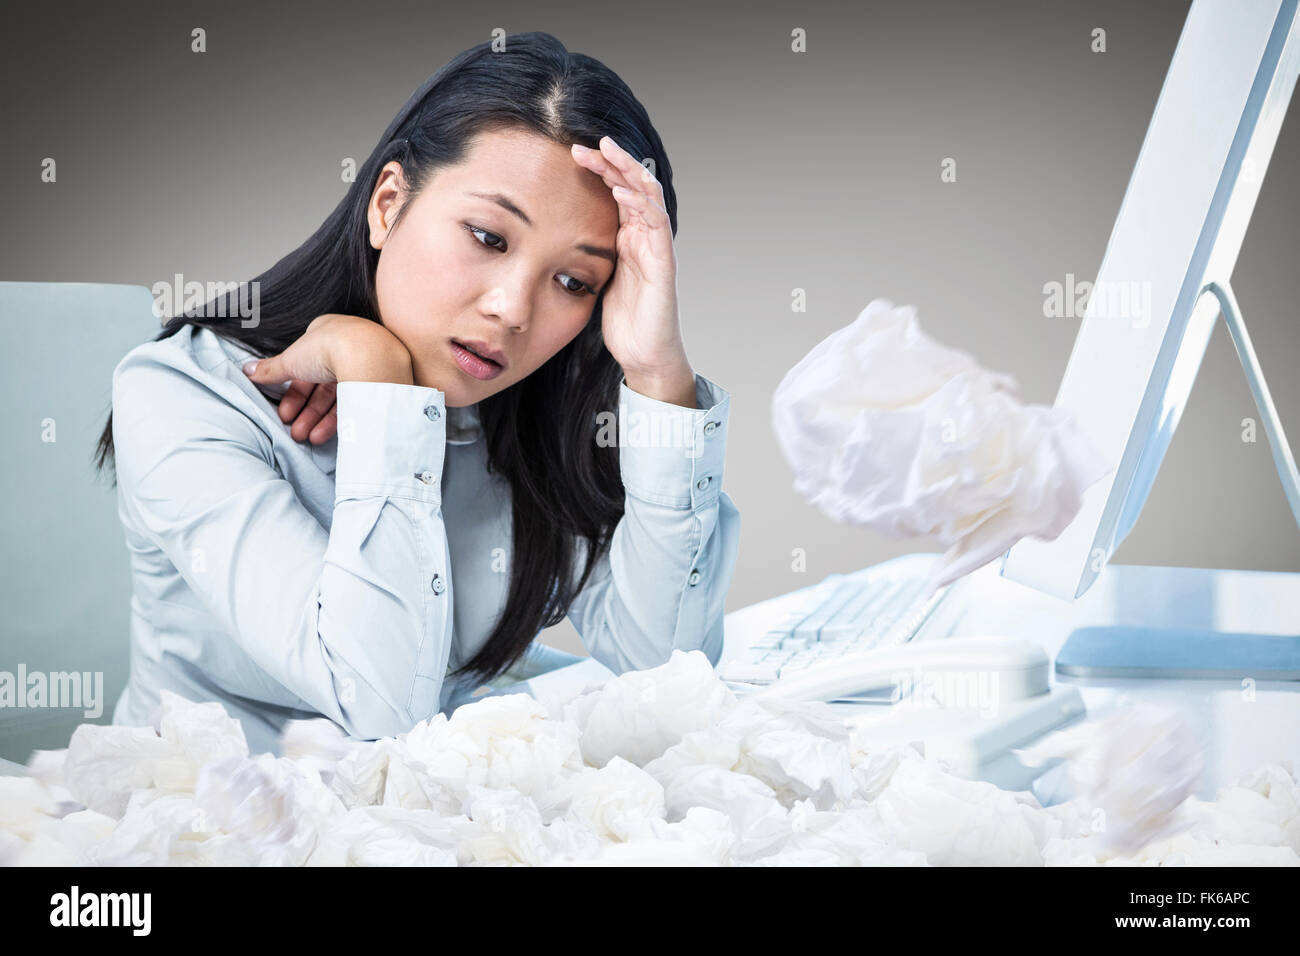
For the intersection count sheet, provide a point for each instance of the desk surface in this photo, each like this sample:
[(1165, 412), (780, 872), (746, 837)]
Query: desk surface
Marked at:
[(10, 769), (1243, 728)]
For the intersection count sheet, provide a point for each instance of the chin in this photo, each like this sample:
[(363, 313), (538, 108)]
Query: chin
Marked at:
[(452, 399), (463, 391), (461, 396)]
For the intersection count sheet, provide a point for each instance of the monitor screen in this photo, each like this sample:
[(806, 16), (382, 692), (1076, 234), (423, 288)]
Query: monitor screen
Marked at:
[(1181, 224)]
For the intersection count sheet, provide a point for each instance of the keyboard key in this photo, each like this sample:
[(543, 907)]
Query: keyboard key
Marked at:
[(846, 630)]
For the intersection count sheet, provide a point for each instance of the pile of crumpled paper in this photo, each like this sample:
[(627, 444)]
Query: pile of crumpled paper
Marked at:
[(662, 766)]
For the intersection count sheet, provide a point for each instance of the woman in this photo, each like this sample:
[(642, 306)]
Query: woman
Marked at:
[(454, 339)]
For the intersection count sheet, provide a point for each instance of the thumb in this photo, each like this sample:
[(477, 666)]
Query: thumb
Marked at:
[(266, 370)]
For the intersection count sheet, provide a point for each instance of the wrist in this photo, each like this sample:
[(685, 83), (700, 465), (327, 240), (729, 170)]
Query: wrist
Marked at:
[(365, 351), (376, 367), (675, 386)]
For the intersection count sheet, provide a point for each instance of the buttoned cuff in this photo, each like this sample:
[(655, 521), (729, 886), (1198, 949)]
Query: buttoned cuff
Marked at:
[(670, 455), (392, 439)]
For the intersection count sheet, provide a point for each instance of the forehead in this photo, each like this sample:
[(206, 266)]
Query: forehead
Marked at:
[(539, 175)]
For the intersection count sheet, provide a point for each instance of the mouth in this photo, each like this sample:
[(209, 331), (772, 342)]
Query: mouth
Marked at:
[(478, 360)]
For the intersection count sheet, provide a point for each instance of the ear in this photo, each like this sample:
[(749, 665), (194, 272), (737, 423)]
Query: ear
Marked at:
[(385, 200)]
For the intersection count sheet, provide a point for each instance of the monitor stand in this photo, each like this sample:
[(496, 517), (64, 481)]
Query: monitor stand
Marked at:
[(1282, 457), (1126, 651)]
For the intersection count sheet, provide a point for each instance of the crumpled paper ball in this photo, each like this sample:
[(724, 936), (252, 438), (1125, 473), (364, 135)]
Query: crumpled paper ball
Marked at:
[(639, 714), (957, 822), (273, 807), (1135, 768), (40, 828), (887, 428), (105, 764), (502, 742), (703, 837), (387, 836), (616, 801)]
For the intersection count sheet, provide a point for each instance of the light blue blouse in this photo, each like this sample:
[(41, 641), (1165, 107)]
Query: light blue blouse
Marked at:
[(288, 581)]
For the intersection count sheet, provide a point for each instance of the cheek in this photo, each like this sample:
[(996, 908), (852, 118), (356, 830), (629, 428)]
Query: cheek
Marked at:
[(417, 283), (555, 335)]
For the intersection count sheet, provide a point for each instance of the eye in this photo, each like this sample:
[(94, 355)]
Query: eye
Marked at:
[(476, 231), (580, 291)]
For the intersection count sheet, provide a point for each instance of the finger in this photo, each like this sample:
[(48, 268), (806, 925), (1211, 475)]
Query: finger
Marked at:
[(294, 399), (641, 204), (658, 236), (591, 160), (627, 172), (635, 175), (638, 176), (326, 428), (322, 399)]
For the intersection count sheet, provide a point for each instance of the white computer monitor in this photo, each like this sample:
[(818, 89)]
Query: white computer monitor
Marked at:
[(1164, 276)]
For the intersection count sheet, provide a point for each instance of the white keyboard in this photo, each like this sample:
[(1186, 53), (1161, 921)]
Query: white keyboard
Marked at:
[(844, 614)]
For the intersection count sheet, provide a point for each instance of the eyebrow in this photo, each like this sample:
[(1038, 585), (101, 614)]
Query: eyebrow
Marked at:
[(506, 203)]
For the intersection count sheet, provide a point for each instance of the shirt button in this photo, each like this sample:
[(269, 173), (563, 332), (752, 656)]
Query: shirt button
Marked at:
[(432, 412), (703, 483), (694, 579), (427, 477), (438, 586), (710, 427)]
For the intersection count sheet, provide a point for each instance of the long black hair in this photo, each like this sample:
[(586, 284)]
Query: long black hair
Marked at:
[(540, 432)]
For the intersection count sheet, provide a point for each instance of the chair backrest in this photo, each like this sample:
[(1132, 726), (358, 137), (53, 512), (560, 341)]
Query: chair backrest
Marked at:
[(65, 584)]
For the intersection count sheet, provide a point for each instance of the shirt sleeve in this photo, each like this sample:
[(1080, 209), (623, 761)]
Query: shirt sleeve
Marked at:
[(663, 583), (355, 620)]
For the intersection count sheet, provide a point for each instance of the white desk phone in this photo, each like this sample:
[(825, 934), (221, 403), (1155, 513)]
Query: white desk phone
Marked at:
[(1017, 667)]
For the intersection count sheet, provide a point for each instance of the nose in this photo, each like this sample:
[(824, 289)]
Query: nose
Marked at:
[(513, 309)]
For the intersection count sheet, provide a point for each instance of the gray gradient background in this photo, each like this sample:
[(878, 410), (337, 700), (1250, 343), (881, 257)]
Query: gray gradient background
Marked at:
[(817, 170)]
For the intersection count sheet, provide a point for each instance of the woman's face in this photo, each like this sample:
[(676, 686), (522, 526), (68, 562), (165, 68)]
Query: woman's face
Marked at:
[(504, 252)]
